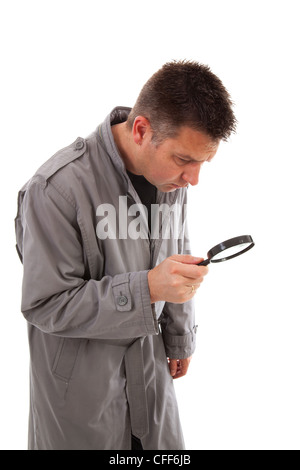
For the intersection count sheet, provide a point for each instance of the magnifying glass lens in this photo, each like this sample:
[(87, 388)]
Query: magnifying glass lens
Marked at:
[(228, 249), (229, 252)]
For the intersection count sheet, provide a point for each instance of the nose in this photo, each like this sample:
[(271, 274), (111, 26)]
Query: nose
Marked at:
[(191, 175)]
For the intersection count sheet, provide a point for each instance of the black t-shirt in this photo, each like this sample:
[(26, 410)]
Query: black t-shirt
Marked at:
[(146, 191)]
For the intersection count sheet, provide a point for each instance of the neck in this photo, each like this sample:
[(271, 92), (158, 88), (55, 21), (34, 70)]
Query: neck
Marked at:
[(124, 142)]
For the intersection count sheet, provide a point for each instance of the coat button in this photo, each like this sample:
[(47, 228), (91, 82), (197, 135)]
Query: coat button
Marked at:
[(79, 145), (122, 300)]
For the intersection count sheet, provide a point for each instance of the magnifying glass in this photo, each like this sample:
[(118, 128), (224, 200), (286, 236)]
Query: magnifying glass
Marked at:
[(229, 249)]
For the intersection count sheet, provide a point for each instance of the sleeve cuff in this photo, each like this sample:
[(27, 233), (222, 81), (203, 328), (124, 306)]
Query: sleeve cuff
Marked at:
[(131, 291), (180, 347)]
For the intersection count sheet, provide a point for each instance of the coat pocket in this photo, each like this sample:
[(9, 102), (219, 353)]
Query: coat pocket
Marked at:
[(66, 357)]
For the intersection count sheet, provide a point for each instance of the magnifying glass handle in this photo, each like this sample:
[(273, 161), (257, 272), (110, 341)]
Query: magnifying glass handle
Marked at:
[(204, 263)]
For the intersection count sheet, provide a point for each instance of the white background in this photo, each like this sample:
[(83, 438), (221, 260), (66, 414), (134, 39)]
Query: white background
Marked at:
[(65, 64)]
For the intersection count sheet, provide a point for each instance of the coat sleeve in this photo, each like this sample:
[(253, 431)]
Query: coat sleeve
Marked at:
[(57, 297), (178, 320)]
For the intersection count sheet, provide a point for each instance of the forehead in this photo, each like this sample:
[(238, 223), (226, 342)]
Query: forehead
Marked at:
[(191, 143)]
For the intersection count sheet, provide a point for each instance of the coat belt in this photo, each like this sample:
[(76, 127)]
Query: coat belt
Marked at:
[(136, 391)]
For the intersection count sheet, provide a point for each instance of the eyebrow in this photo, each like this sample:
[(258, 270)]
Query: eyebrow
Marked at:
[(189, 158)]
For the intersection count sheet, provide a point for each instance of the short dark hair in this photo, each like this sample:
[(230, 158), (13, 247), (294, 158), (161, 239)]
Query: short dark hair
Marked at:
[(185, 93)]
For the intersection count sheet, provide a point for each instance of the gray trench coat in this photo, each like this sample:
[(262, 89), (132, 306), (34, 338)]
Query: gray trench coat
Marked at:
[(98, 348)]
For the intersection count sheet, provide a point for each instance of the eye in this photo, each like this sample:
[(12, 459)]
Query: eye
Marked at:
[(180, 161)]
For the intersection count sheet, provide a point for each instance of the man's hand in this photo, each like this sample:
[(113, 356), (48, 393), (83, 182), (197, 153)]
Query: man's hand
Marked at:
[(179, 367), (176, 279)]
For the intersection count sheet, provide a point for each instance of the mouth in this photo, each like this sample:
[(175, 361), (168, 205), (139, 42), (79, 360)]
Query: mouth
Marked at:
[(179, 186), (172, 187)]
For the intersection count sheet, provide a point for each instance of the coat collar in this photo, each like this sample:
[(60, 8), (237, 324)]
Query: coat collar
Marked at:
[(104, 132)]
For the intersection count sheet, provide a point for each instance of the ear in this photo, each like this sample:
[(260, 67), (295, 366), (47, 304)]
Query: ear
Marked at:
[(141, 129)]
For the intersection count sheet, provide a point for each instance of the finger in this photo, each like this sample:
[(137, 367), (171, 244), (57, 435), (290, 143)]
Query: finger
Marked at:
[(173, 367), (189, 271), (180, 372), (193, 288), (187, 259), (182, 366)]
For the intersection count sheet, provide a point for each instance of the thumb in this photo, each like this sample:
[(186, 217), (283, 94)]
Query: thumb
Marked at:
[(186, 259)]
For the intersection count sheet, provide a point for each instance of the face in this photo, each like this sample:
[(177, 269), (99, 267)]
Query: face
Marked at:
[(177, 161)]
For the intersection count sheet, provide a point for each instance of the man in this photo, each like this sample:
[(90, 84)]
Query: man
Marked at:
[(107, 289)]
